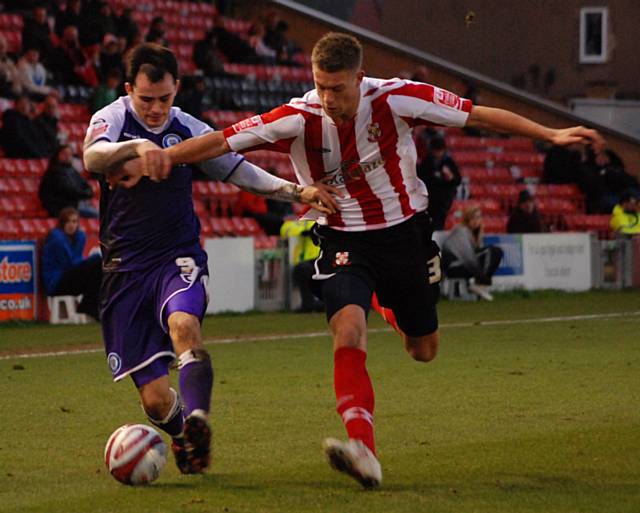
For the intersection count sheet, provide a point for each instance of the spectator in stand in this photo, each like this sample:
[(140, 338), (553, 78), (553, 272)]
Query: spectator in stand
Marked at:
[(71, 15), (275, 37), (108, 91), (32, 74), (10, 84), (20, 133), (62, 186), (625, 218), (205, 55), (603, 179), (157, 32), (111, 56), (98, 20), (563, 164), (36, 33), (266, 54), (137, 40), (190, 96), (232, 46), (525, 217), (464, 256), (126, 26), (73, 63), (65, 271), (305, 252), (441, 175), (47, 122)]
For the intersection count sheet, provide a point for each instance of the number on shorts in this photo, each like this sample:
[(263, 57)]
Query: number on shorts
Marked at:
[(435, 272)]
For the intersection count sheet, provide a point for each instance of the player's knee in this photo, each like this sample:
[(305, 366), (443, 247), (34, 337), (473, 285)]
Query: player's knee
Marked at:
[(423, 349), (184, 327)]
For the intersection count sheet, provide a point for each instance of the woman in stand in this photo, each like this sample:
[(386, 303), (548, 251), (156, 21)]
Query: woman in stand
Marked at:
[(464, 256)]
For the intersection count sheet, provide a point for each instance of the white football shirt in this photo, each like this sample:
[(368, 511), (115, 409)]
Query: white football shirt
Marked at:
[(371, 159)]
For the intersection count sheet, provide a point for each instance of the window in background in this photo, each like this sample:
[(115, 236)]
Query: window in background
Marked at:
[(593, 34)]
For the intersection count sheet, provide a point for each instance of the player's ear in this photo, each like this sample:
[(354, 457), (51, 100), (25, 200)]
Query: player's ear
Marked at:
[(360, 75), (128, 88), (177, 86)]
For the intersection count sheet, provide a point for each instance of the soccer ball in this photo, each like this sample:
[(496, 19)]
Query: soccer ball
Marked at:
[(135, 454)]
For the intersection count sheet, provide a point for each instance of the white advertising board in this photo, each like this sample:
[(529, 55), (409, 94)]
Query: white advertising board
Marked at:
[(232, 274)]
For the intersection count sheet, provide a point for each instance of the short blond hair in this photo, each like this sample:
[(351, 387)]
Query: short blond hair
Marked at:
[(336, 51)]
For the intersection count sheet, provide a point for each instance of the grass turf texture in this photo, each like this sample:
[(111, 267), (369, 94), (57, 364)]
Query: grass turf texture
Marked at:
[(534, 417)]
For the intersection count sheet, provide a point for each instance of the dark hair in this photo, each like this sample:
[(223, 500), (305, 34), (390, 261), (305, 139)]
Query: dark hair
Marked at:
[(437, 143), (65, 214), (337, 52), (55, 157), (154, 60), (524, 196)]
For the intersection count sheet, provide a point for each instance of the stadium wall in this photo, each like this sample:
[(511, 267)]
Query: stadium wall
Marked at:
[(386, 57)]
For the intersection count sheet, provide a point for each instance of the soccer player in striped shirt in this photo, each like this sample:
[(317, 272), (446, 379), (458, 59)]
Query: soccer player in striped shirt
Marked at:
[(354, 134)]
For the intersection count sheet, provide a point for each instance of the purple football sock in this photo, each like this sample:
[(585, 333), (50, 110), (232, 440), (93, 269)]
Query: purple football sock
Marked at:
[(196, 380)]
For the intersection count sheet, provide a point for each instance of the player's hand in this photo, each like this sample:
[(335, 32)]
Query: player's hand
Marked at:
[(127, 176), (156, 164), (321, 197), (152, 162), (578, 134)]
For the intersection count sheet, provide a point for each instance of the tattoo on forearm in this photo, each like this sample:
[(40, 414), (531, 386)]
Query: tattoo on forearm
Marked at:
[(286, 192)]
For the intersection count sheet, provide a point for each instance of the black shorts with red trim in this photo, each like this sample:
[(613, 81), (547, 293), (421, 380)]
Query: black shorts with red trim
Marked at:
[(401, 264)]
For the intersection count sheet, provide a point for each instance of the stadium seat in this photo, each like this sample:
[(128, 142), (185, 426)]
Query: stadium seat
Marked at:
[(63, 310), (495, 224)]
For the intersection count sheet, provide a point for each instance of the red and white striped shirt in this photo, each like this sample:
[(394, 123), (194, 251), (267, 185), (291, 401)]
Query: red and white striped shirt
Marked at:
[(371, 159)]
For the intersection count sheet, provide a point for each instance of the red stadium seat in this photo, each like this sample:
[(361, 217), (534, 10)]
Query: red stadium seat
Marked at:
[(495, 224)]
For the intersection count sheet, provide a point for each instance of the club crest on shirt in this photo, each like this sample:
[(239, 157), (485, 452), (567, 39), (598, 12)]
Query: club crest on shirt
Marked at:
[(342, 258), (171, 140), (446, 98), (374, 132)]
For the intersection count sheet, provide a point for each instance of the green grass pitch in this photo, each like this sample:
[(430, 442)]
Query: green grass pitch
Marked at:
[(539, 415)]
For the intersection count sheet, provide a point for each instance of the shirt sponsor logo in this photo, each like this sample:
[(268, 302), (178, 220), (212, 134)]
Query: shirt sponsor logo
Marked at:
[(247, 123), (446, 98), (98, 127), (350, 171), (171, 140)]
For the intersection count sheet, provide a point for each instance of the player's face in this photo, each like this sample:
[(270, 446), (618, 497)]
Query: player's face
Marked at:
[(152, 100), (339, 92)]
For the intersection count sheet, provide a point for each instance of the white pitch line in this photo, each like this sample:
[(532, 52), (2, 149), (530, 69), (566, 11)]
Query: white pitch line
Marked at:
[(291, 336)]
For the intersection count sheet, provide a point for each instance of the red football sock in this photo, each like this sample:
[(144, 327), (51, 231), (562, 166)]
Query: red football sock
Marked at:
[(354, 394), (386, 313)]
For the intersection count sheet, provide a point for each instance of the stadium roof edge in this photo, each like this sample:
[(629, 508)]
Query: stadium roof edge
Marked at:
[(455, 69)]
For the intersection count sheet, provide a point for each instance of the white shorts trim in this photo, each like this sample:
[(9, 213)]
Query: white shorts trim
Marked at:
[(144, 364)]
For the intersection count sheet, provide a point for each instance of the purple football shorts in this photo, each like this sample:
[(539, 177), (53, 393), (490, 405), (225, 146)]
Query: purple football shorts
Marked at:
[(135, 308)]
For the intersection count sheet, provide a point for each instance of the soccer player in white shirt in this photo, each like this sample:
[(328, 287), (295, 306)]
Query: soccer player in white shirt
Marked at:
[(354, 134)]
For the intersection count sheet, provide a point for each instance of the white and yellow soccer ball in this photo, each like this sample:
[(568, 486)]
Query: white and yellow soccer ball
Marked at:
[(135, 454)]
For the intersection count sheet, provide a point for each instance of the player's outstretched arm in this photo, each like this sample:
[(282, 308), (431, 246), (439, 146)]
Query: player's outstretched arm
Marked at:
[(501, 120), (124, 163), (197, 149), (255, 179)]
